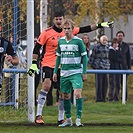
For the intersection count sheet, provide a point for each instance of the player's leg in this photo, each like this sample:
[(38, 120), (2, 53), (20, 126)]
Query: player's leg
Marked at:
[(60, 101), (79, 102), (49, 100), (47, 74), (65, 94), (60, 111), (60, 104), (57, 96), (77, 84)]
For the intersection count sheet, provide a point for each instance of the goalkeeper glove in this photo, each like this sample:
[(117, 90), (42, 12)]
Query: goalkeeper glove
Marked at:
[(106, 24), (33, 69)]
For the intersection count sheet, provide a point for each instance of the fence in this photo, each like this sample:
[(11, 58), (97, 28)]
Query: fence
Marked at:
[(31, 96), (124, 72)]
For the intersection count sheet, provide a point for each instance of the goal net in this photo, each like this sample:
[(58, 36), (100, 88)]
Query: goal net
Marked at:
[(14, 92)]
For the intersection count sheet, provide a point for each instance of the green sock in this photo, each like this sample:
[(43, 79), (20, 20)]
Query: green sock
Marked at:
[(79, 108), (67, 108)]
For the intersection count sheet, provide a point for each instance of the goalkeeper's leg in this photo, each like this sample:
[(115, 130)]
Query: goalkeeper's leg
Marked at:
[(41, 101), (47, 81)]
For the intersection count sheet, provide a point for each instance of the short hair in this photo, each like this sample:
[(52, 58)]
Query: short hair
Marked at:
[(69, 22), (120, 32), (58, 14), (114, 40), (103, 36)]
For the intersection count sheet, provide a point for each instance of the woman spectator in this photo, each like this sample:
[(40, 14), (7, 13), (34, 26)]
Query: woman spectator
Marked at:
[(116, 62), (86, 41)]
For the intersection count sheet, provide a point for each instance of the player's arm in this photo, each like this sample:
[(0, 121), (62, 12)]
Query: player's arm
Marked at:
[(15, 60), (10, 55), (12, 59), (84, 59), (93, 27), (36, 51), (85, 64), (56, 68), (33, 68), (57, 64)]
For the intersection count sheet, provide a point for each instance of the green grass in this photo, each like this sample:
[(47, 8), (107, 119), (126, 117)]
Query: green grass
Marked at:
[(108, 117), (97, 117), (89, 129)]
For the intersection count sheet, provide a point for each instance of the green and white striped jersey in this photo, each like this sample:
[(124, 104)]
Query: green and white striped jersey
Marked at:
[(70, 54)]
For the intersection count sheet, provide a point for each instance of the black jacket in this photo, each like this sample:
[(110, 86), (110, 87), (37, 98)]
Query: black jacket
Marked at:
[(116, 59), (5, 48), (124, 47)]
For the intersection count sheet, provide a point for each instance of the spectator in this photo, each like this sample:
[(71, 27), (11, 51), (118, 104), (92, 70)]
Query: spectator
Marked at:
[(21, 65), (116, 62), (124, 47), (6, 52), (99, 60), (8, 80), (86, 41)]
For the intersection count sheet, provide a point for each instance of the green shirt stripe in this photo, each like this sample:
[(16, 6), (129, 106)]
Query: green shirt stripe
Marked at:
[(71, 53)]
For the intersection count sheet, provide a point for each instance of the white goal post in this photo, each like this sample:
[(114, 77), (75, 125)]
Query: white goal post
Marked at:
[(20, 107), (30, 42), (18, 19)]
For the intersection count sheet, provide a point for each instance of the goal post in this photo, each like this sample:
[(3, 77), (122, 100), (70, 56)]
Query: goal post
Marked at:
[(30, 45), (18, 18)]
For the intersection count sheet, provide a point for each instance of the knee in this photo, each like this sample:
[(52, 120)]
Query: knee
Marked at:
[(77, 96), (77, 93), (46, 85), (66, 96)]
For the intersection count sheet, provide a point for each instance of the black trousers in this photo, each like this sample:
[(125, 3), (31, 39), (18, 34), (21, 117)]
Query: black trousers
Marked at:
[(101, 87), (114, 88)]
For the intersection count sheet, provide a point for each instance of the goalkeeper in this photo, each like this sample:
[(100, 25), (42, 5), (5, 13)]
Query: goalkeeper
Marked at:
[(49, 38)]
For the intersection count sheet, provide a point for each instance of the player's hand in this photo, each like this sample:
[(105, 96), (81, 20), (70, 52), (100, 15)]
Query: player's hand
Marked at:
[(84, 77), (8, 58), (106, 24), (55, 77), (33, 69)]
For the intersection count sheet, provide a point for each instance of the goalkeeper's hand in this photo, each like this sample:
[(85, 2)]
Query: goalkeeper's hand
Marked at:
[(33, 69), (106, 24)]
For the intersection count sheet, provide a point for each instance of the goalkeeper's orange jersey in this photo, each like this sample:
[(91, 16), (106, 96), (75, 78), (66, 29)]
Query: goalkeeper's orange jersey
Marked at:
[(49, 38)]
